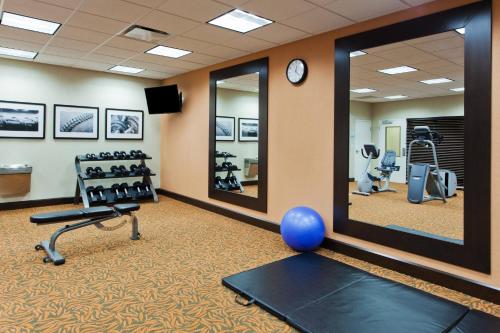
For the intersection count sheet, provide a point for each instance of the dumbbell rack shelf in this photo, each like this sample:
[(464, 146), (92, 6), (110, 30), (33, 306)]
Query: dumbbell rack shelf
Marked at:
[(109, 194)]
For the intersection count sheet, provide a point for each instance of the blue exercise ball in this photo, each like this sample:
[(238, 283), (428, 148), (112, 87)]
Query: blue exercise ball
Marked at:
[(302, 229)]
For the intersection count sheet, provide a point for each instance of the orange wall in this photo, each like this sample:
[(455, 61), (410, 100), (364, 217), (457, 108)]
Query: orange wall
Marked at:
[(301, 135)]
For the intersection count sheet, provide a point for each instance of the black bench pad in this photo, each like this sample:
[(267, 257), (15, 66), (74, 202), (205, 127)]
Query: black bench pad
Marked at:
[(127, 208), (74, 214), (476, 321), (377, 305)]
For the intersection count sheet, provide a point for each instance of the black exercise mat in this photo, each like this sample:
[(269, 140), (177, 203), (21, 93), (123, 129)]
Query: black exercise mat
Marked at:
[(317, 294), (283, 286), (477, 322)]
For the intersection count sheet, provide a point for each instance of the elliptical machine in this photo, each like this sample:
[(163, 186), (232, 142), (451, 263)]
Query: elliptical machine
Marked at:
[(439, 183), (387, 167)]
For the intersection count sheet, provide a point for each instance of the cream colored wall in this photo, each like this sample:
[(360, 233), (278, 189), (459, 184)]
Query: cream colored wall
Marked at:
[(238, 104), (53, 160), (301, 136)]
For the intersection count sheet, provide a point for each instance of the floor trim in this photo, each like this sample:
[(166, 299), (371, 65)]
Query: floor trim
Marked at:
[(466, 286), (35, 203)]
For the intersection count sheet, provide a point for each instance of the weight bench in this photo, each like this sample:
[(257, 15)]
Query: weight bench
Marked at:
[(91, 216)]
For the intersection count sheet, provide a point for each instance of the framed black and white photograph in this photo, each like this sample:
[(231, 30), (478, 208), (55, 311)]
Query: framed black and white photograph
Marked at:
[(224, 128), (76, 122), (248, 129), (124, 124), (22, 120)]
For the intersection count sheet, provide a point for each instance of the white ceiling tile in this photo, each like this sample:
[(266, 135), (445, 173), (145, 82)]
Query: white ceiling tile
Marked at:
[(165, 68), (102, 58), (278, 33), (23, 35), (70, 4), (168, 23), (320, 2), (178, 63), (248, 43), (96, 23), (277, 9), (417, 2), (37, 10), (202, 59), (233, 3), (114, 9), (224, 52), (62, 52), (55, 60), (72, 44), (20, 45), (185, 43), (317, 20), (85, 35), (200, 10), (92, 65), (115, 52), (212, 34), (129, 44), (148, 3), (360, 10), (155, 75)]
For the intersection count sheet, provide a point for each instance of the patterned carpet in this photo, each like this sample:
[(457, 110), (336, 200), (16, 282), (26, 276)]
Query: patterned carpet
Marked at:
[(170, 281)]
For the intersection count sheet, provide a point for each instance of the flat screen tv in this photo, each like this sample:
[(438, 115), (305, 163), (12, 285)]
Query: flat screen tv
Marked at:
[(164, 99)]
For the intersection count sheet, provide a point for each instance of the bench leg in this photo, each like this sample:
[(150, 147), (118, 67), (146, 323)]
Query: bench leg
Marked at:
[(135, 228), (52, 255)]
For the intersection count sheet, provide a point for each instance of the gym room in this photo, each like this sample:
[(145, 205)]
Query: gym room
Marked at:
[(250, 166)]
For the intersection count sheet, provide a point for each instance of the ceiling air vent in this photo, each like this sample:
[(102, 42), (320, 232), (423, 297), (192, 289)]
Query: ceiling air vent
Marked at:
[(145, 34)]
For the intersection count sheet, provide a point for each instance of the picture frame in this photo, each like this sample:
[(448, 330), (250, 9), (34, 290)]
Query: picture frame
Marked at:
[(225, 128), (76, 122), (123, 124), (22, 120), (248, 129)]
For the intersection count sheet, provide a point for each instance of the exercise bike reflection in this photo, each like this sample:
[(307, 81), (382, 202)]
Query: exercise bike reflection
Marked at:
[(366, 183)]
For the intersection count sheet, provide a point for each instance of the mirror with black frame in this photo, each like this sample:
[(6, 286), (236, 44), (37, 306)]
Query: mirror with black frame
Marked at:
[(238, 134), (423, 84), (406, 140)]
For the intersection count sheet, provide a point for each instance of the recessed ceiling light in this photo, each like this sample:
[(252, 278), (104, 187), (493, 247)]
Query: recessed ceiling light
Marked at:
[(458, 89), (460, 31), (397, 70), (166, 51), (29, 23), (125, 69), (396, 97), (363, 90), (17, 53), (356, 54), (240, 21), (437, 81), (145, 34)]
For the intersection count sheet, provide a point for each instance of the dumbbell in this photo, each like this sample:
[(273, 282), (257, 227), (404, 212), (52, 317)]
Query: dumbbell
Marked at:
[(145, 170), (135, 169), (218, 183), (100, 189), (138, 189), (137, 154), (116, 171), (116, 189), (124, 187), (99, 172), (226, 165), (90, 156), (124, 170), (147, 189), (90, 192), (91, 172), (105, 155)]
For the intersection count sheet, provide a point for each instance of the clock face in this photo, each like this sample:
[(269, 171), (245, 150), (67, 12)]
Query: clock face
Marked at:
[(296, 71)]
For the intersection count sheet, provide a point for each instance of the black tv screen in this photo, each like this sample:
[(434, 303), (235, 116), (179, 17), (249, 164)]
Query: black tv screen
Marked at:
[(165, 99)]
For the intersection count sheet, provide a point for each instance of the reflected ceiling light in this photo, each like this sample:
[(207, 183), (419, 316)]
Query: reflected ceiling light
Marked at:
[(17, 53), (125, 69), (166, 51), (458, 89), (221, 82), (29, 23), (460, 31), (397, 70), (363, 90), (356, 54), (396, 97), (240, 21), (437, 81)]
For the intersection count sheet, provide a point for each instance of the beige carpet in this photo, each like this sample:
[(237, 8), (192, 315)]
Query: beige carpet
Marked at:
[(170, 281), (388, 208)]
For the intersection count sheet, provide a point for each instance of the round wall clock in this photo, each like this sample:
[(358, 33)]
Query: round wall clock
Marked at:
[(296, 71)]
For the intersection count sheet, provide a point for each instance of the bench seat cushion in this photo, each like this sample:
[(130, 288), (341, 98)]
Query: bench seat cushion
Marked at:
[(127, 208), (70, 215)]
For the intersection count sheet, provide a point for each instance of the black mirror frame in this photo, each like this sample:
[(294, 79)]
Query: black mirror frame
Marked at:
[(261, 66), (475, 253)]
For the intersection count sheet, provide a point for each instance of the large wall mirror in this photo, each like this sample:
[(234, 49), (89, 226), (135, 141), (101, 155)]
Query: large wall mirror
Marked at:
[(412, 136), (238, 135)]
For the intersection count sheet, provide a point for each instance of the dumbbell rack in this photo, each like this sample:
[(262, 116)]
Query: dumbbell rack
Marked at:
[(82, 177), (229, 171)]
